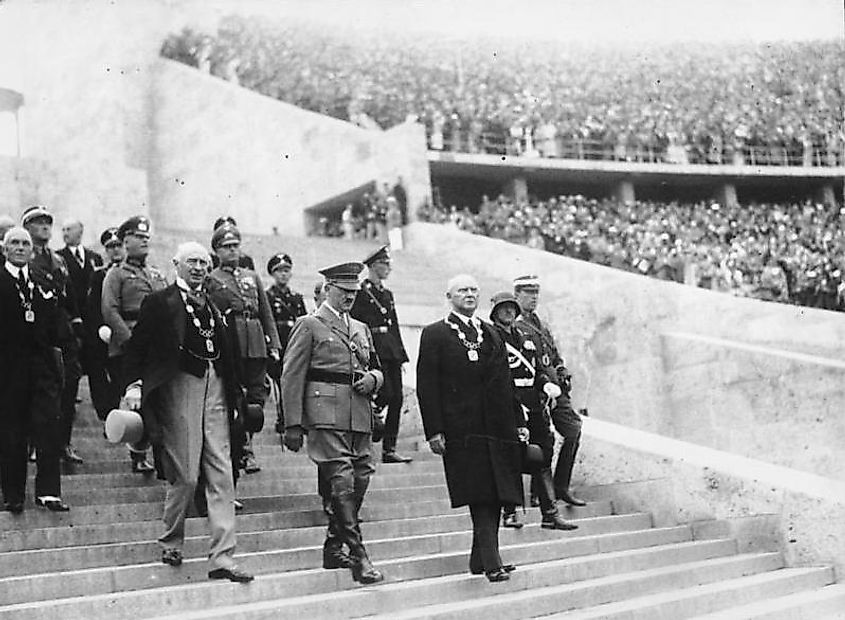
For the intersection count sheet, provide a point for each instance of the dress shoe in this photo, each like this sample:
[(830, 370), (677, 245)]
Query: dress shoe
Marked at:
[(508, 568), (71, 456), (173, 557), (140, 464), (364, 572), (54, 504), (250, 465), (570, 499), (509, 519), (232, 574), (392, 457), (14, 507), (238, 505), (556, 522), (497, 575)]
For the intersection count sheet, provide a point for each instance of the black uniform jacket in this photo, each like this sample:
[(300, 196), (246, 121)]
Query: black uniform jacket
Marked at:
[(473, 405), (375, 307)]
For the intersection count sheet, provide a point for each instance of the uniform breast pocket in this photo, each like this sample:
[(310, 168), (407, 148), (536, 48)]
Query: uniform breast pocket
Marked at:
[(320, 404), (331, 348)]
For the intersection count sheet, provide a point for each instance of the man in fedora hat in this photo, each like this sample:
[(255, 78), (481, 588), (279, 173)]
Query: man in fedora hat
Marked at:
[(182, 369), (472, 419), (329, 374), (374, 305), (533, 385), (31, 371)]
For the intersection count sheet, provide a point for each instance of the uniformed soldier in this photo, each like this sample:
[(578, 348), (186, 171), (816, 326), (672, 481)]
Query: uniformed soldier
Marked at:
[(287, 306), (125, 286), (329, 374), (244, 261), (104, 394), (374, 305), (533, 385), (50, 270), (565, 420), (239, 295)]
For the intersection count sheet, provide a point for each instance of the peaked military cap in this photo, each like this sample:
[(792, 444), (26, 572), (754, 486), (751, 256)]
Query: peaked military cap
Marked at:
[(136, 225), (33, 213), (223, 235), (532, 282), (344, 275), (382, 254), (278, 259), (500, 299), (223, 220), (109, 237)]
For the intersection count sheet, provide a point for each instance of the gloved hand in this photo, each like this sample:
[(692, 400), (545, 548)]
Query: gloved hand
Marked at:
[(132, 397), (437, 443), (523, 434), (552, 390)]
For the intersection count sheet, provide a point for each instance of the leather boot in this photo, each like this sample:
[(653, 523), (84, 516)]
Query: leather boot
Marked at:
[(563, 472), (345, 509), (551, 516), (334, 555)]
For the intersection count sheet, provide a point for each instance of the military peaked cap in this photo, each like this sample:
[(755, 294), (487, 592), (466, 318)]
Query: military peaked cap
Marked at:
[(382, 254), (109, 237), (278, 259), (343, 276), (223, 235), (137, 225), (33, 213)]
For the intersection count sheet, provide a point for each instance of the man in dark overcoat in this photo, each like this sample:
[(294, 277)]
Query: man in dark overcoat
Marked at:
[(472, 418), (182, 370)]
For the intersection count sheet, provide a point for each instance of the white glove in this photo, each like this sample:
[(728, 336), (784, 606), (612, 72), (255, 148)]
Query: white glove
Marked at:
[(104, 333), (132, 397), (552, 390)]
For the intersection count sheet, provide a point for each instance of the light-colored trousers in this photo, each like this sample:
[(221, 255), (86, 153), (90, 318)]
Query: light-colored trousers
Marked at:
[(195, 439)]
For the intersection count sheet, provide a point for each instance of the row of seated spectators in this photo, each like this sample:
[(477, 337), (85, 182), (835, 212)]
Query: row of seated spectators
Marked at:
[(791, 253), (760, 104)]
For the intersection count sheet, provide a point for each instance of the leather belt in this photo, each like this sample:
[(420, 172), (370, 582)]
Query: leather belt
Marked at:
[(326, 376)]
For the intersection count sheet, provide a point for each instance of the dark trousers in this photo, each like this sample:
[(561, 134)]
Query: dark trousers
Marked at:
[(104, 393), (484, 555), (393, 400), (30, 413), (254, 371), (73, 373), (540, 433)]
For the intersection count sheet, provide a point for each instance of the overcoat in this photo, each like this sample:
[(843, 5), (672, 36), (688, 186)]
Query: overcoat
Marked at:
[(473, 404), (154, 353)]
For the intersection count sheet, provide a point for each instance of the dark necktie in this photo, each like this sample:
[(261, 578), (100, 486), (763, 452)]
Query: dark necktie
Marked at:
[(23, 285), (472, 333), (78, 253)]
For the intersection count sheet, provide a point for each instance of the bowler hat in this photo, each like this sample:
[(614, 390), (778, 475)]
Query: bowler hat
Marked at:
[(124, 426), (532, 458)]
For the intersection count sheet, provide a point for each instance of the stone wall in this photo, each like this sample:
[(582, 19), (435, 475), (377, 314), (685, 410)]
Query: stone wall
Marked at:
[(780, 400)]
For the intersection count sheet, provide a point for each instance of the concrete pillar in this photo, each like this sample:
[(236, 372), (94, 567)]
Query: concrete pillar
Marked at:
[(826, 195), (625, 191), (726, 195), (516, 189)]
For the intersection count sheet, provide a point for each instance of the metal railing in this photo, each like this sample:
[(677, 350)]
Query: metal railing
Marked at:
[(808, 155)]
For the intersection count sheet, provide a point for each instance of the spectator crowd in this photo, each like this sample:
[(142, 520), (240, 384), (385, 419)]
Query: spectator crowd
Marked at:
[(791, 253), (761, 104)]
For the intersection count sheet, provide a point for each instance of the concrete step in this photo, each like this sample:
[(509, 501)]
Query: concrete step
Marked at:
[(133, 548), (136, 566), (522, 597), (724, 597), (391, 600), (322, 594), (827, 603)]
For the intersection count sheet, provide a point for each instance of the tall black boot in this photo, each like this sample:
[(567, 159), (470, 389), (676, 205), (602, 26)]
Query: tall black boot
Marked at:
[(546, 492), (346, 510), (563, 472), (334, 555)]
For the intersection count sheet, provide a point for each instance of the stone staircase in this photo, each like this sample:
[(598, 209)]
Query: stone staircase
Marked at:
[(100, 560)]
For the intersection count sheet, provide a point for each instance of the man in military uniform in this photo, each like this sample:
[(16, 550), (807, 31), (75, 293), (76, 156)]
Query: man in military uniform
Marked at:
[(104, 395), (533, 385), (125, 286), (50, 270), (374, 305), (329, 373), (244, 261), (565, 420), (287, 306), (241, 298)]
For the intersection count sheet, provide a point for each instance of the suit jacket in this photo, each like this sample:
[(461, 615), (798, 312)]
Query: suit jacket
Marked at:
[(322, 342), (376, 308), (472, 403), (154, 353), (80, 275)]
